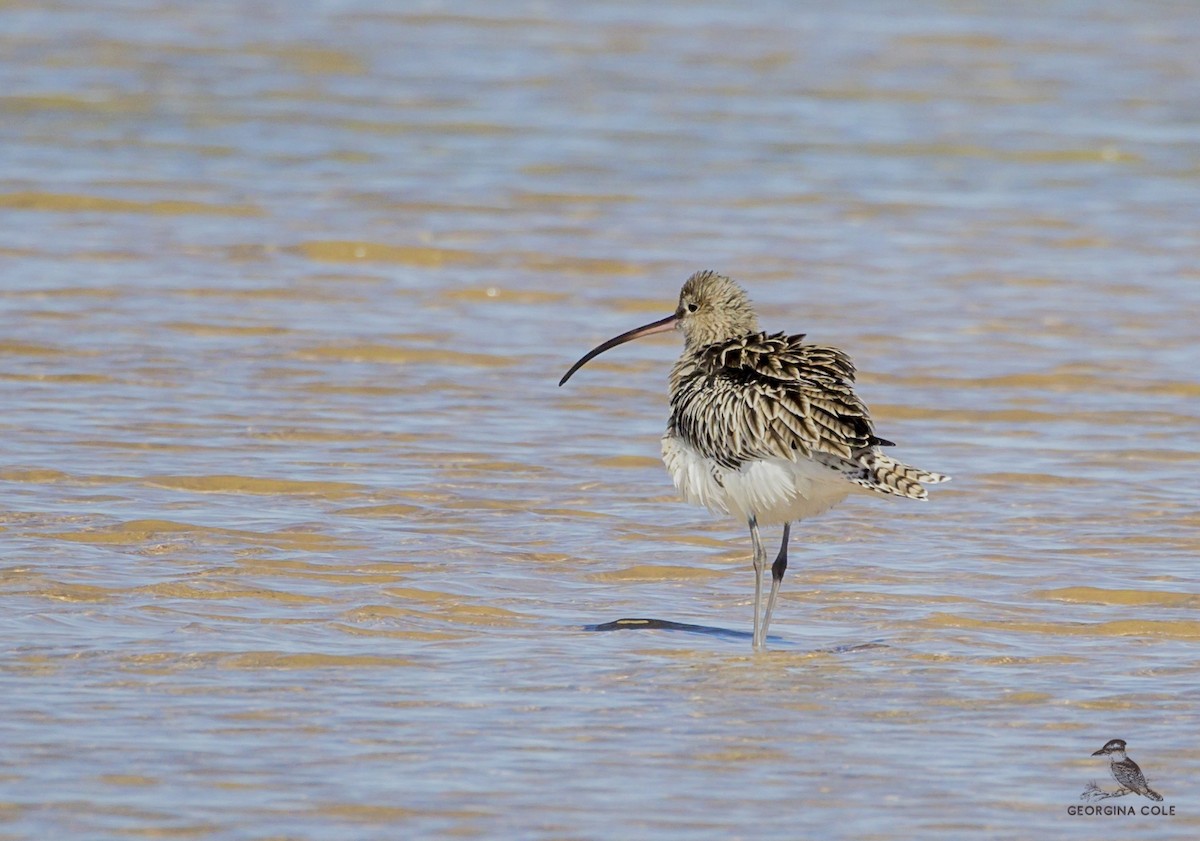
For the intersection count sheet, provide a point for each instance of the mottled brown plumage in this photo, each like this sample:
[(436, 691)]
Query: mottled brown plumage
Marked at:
[(739, 394), (761, 395)]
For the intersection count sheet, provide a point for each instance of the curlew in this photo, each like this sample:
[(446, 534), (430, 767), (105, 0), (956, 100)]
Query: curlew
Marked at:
[(764, 427)]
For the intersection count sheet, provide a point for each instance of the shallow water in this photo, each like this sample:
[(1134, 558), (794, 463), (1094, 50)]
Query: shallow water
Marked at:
[(301, 540)]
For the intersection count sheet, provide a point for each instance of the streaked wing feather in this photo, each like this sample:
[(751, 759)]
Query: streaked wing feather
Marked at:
[(763, 396)]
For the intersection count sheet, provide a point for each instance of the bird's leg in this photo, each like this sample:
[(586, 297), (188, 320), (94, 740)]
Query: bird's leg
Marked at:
[(760, 563), (777, 570)]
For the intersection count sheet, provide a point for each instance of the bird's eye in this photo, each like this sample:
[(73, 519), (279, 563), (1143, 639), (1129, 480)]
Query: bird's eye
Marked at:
[(693, 307)]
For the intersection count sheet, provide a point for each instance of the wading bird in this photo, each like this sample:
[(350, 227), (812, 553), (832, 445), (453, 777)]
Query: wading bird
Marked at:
[(764, 427)]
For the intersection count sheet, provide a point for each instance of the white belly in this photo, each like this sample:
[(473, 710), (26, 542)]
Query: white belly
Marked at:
[(773, 490)]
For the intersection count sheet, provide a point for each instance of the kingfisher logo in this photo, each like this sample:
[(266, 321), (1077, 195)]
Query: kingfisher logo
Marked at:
[(1129, 779)]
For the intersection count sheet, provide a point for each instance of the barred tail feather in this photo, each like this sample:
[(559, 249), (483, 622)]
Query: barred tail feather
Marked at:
[(886, 475)]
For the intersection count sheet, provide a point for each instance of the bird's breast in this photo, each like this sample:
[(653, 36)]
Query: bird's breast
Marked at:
[(773, 490)]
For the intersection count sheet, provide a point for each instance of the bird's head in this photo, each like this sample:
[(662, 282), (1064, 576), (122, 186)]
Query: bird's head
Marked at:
[(711, 308), (1113, 746)]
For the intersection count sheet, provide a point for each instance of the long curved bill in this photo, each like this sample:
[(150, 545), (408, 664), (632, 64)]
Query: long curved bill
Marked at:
[(660, 326)]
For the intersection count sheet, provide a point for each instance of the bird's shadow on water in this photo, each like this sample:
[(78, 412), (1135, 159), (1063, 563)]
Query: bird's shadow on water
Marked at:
[(711, 631)]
